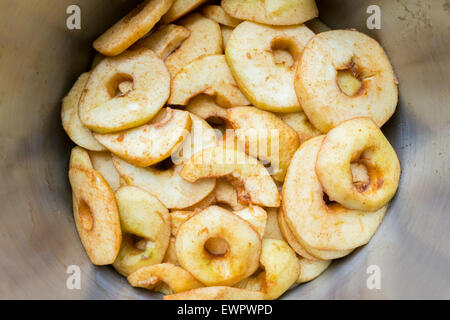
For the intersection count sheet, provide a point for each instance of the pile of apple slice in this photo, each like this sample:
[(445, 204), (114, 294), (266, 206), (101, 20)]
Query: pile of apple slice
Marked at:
[(191, 111)]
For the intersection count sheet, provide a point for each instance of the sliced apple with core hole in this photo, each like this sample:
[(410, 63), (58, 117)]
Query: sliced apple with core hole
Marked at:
[(250, 55), (104, 108), (96, 215), (71, 122), (205, 39), (165, 40), (252, 180), (217, 14), (273, 12), (265, 136), (180, 8), (151, 143), (165, 278), (172, 190), (209, 75)]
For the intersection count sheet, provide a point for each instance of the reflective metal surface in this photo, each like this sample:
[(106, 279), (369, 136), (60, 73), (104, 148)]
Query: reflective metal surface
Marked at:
[(40, 59)]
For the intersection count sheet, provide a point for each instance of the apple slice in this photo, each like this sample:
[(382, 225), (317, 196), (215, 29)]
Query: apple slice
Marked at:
[(265, 136), (180, 8), (165, 278), (96, 215), (217, 293), (165, 40), (104, 108), (276, 258), (172, 190), (209, 75), (274, 12), (300, 123), (217, 14), (252, 180), (151, 143), (205, 39), (71, 122), (145, 217), (132, 27), (250, 55)]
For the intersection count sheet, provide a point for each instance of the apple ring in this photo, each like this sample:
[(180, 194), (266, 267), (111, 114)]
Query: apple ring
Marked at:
[(300, 123), (314, 223), (250, 55), (103, 110), (241, 259), (165, 278), (358, 140), (132, 27), (71, 122), (145, 217), (152, 142), (317, 79), (274, 12), (96, 215)]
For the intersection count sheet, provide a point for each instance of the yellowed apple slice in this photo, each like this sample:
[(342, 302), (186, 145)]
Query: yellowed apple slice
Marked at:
[(217, 14), (151, 143), (205, 39), (217, 293), (281, 270), (143, 216), (206, 108), (165, 40), (180, 8), (171, 254), (177, 218), (315, 223), (96, 215), (79, 158), (209, 75), (300, 123), (165, 278), (71, 122), (250, 55), (274, 12), (132, 27), (265, 136), (172, 190), (252, 180), (104, 108)]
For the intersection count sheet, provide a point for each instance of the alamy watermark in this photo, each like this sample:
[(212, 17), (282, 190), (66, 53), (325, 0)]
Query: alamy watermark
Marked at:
[(73, 21)]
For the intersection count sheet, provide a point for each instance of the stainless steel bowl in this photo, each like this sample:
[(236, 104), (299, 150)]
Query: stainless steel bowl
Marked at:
[(39, 61)]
